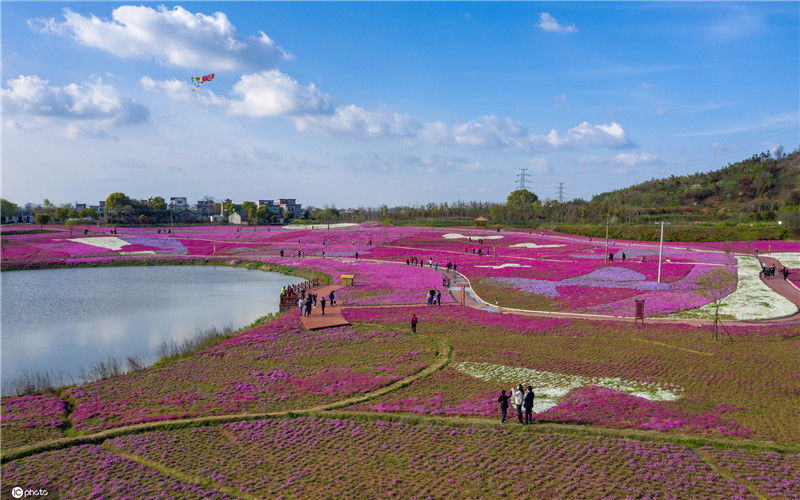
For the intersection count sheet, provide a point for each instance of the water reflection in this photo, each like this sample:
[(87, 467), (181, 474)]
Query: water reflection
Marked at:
[(63, 319)]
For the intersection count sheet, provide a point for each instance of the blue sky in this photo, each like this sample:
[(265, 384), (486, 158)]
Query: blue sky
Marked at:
[(370, 103)]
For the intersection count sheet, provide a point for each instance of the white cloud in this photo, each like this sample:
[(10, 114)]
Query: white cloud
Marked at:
[(539, 165), (356, 121), (646, 85), (772, 147), (631, 160), (174, 37), (559, 100), (490, 131), (92, 100), (610, 135), (272, 93), (549, 23), (662, 110)]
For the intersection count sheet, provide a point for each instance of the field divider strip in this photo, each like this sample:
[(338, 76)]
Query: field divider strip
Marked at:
[(176, 474), (664, 344), (725, 473)]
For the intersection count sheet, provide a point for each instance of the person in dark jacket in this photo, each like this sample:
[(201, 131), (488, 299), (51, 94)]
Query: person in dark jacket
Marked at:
[(529, 405), (413, 323), (503, 400)]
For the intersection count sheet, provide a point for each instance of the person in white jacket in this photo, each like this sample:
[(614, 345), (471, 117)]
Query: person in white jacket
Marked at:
[(518, 397)]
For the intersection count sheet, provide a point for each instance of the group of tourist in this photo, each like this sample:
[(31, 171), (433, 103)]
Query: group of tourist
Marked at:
[(434, 297), (307, 301), (521, 400), (414, 261), (769, 272)]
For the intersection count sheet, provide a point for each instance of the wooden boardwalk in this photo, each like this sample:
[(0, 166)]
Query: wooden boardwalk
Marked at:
[(333, 314)]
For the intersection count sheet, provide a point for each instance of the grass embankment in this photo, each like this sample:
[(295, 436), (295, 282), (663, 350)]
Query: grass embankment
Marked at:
[(675, 232)]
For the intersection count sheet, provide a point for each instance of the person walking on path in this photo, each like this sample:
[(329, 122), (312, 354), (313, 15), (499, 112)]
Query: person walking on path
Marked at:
[(413, 323), (314, 298), (785, 273), (331, 297), (529, 405), (322, 303), (308, 305), (438, 298), (503, 400), (519, 398), (300, 305)]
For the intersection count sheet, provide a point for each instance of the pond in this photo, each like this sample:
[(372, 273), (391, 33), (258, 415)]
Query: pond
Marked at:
[(61, 320)]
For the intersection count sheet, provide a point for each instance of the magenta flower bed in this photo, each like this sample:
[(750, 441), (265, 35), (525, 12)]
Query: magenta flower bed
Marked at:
[(776, 475), (375, 282), (34, 411), (90, 471), (602, 406), (279, 365), (309, 457), (32, 418)]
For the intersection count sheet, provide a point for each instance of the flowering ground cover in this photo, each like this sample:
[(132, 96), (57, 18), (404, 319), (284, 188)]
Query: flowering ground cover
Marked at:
[(326, 457), (772, 474), (529, 263), (278, 366), (27, 419), (752, 299), (747, 386), (92, 472), (375, 282)]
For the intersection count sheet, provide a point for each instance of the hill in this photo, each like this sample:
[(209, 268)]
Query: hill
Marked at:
[(754, 189)]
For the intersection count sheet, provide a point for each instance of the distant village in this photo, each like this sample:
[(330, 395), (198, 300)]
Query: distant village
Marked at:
[(155, 209)]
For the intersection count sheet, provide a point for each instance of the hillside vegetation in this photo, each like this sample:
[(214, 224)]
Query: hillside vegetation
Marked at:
[(756, 189)]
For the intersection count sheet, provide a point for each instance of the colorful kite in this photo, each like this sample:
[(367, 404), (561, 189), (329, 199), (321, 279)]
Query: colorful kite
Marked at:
[(199, 80)]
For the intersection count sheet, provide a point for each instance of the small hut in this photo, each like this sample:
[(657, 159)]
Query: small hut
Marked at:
[(480, 221)]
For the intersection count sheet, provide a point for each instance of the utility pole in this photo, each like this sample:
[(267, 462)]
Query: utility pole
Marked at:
[(561, 192), (522, 179), (608, 220), (660, 250)]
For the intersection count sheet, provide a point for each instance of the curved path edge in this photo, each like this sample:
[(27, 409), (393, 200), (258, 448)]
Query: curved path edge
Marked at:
[(443, 356)]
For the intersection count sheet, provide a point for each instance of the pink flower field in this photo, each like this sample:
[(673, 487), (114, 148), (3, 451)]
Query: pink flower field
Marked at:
[(621, 410)]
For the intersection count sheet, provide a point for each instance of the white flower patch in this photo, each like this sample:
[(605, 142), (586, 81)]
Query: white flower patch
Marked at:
[(107, 242), (454, 236), (503, 266), (141, 252), (752, 299), (534, 245), (789, 259), (550, 387)]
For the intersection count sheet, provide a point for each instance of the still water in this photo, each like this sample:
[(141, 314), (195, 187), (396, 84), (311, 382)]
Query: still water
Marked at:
[(59, 320)]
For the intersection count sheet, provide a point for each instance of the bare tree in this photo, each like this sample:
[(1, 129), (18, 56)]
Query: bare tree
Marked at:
[(716, 285)]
